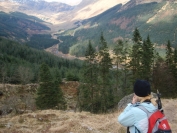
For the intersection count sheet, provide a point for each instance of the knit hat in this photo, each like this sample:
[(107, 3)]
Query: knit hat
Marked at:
[(142, 88)]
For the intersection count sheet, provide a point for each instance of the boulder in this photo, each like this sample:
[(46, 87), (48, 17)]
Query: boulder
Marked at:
[(128, 99), (124, 101)]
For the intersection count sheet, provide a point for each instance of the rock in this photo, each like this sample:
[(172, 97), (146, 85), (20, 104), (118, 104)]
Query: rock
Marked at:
[(128, 99), (124, 101)]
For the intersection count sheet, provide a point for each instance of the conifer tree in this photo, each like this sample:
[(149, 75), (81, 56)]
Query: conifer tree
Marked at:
[(163, 79), (61, 100), (163, 76), (169, 55), (175, 64), (120, 59), (47, 93), (105, 63), (147, 59), (117, 59), (88, 90), (135, 55), (57, 76), (173, 68)]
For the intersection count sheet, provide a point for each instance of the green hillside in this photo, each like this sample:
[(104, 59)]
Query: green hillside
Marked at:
[(155, 19), (24, 28), (16, 58), (15, 25)]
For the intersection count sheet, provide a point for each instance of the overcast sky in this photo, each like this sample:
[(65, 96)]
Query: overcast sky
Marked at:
[(70, 2)]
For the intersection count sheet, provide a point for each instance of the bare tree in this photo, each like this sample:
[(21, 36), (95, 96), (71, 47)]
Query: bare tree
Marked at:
[(29, 102), (10, 105), (3, 75), (25, 74)]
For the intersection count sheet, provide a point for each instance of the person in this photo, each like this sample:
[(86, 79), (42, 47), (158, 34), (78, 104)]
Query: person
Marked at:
[(133, 117)]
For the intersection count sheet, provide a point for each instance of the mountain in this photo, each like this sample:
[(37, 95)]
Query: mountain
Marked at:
[(73, 26), (36, 5), (21, 27), (59, 15), (156, 18), (41, 9), (24, 19)]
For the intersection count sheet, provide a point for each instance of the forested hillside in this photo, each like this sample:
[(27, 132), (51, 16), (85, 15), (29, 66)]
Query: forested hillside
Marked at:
[(104, 78), (158, 20), (17, 60), (17, 25), (25, 29)]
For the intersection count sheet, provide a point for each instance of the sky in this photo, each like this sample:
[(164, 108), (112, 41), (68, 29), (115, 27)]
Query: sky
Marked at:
[(69, 2)]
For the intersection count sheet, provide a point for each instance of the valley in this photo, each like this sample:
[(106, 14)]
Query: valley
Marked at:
[(42, 49), (74, 26)]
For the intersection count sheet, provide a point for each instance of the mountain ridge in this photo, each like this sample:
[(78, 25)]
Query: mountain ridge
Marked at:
[(85, 22), (154, 18)]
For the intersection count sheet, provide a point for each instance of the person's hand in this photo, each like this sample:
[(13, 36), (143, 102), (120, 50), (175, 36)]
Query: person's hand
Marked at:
[(134, 99)]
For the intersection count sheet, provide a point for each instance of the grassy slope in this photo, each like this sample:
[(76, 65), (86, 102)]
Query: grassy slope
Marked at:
[(55, 121)]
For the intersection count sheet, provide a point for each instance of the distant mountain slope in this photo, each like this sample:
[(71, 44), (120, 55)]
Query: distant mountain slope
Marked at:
[(86, 21), (46, 11), (88, 9), (158, 19), (36, 5), (19, 26), (59, 15)]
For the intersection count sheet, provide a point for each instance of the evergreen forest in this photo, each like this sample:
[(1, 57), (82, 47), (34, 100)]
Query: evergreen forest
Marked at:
[(20, 64), (105, 77)]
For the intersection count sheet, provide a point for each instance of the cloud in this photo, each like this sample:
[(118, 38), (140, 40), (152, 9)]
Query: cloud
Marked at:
[(70, 2)]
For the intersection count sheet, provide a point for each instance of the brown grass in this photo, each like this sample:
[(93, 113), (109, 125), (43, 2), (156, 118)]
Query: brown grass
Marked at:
[(54, 121)]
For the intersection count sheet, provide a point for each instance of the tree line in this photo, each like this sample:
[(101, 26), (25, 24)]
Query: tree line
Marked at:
[(106, 80), (20, 64), (105, 77)]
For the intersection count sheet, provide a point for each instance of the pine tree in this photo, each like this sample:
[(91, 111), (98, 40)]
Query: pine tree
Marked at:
[(61, 100), (105, 63), (175, 64), (117, 59), (163, 80), (136, 36), (57, 76), (135, 55), (147, 59), (163, 76), (47, 93), (169, 54), (88, 90), (121, 75)]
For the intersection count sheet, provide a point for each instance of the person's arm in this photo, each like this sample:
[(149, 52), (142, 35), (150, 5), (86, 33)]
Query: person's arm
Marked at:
[(126, 118)]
